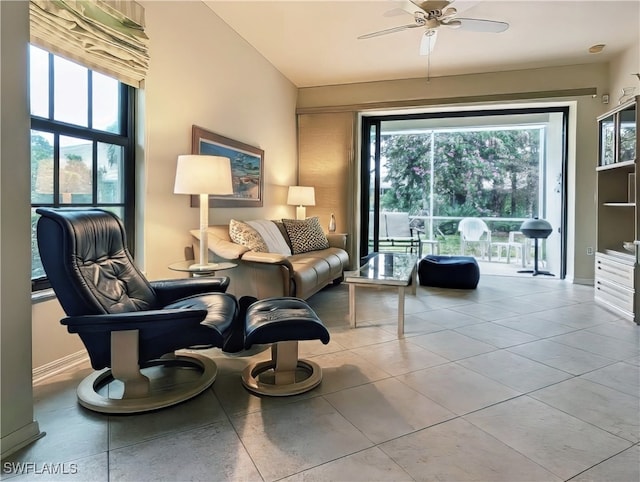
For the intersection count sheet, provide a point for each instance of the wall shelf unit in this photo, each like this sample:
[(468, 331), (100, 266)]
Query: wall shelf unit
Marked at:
[(617, 275)]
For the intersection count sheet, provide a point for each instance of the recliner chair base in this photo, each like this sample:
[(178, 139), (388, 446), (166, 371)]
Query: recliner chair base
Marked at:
[(142, 394), (286, 367)]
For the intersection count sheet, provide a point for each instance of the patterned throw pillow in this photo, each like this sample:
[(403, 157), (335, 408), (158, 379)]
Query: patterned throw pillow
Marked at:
[(305, 235), (242, 233)]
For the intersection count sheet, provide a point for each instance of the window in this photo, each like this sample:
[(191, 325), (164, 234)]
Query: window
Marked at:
[(81, 143)]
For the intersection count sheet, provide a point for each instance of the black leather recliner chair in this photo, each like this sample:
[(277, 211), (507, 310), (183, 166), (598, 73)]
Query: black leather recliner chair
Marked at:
[(129, 324)]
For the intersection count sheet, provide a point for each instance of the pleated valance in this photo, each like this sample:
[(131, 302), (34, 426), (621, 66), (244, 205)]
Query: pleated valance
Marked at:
[(103, 35)]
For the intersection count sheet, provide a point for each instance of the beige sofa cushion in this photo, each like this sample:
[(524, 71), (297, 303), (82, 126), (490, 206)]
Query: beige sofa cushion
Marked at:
[(220, 242), (315, 269)]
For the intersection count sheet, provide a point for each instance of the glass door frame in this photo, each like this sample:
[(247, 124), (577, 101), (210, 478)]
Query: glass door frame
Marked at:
[(370, 150)]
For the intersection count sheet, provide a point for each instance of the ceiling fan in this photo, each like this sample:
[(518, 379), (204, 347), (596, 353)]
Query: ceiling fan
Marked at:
[(431, 15)]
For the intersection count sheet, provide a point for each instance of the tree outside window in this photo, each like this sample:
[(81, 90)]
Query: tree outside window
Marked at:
[(479, 173)]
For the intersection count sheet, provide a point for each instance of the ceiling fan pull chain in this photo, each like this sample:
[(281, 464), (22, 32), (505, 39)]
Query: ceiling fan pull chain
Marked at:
[(430, 37)]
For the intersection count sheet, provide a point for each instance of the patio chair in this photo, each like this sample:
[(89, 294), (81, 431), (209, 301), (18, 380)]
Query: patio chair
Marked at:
[(475, 230), (399, 232), (517, 242)]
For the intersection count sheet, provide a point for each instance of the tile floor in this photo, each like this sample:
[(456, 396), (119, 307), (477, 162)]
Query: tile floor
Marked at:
[(523, 379)]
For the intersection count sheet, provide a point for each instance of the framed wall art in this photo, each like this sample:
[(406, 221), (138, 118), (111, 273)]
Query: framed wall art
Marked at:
[(247, 168)]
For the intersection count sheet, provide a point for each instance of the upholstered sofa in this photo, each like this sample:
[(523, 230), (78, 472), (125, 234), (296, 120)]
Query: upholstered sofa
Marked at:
[(286, 271)]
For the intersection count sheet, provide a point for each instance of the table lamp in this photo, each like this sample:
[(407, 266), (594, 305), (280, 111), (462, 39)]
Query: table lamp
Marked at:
[(301, 196), (203, 175)]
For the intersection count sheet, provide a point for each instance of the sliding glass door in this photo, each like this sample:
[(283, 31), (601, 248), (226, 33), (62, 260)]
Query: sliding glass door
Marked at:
[(499, 166)]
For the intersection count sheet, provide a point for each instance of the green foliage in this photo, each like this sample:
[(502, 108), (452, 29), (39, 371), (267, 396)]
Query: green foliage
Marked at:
[(41, 152), (408, 164), (487, 173), (40, 148)]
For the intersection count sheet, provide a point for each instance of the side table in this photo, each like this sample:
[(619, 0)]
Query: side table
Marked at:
[(190, 266), (384, 269)]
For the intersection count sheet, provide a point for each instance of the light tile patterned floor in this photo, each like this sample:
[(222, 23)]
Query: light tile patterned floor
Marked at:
[(523, 379)]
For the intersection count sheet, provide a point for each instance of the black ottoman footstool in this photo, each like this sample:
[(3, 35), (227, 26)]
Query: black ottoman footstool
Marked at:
[(282, 322), (460, 272)]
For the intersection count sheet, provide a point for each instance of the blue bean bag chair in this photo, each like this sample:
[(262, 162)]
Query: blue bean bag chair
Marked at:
[(460, 272)]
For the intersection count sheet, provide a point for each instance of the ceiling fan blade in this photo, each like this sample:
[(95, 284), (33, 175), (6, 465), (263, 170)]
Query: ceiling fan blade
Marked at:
[(479, 25), (407, 7), (388, 31), (396, 12), (428, 41)]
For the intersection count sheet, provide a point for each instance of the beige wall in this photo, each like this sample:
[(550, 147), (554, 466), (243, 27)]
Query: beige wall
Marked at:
[(622, 73), (51, 340), (195, 78), (527, 87), (517, 84), (203, 73)]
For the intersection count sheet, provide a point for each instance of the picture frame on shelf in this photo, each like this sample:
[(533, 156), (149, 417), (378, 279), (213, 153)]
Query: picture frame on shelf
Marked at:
[(247, 168)]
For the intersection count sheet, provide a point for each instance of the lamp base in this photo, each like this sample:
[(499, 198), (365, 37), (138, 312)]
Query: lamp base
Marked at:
[(301, 213)]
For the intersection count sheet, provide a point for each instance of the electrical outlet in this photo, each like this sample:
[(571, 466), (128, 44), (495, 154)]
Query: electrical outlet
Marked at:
[(589, 251)]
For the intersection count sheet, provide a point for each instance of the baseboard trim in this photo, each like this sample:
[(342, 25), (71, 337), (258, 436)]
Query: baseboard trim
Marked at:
[(58, 366), (22, 437), (583, 281)]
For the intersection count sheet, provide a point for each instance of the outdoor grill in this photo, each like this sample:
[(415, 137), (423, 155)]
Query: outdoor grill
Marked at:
[(536, 229)]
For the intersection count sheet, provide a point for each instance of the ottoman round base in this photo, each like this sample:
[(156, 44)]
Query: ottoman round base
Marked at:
[(461, 272), (253, 378)]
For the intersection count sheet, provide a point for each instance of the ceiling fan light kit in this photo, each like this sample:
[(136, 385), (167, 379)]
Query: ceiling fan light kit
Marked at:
[(428, 41)]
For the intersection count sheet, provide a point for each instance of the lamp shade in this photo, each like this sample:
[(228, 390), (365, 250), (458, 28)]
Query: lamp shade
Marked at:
[(196, 174), (301, 196)]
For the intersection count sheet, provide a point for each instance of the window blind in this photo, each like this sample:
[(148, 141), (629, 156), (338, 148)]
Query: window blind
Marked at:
[(103, 35)]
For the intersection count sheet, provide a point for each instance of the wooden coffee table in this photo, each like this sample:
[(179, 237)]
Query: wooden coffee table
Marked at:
[(384, 269)]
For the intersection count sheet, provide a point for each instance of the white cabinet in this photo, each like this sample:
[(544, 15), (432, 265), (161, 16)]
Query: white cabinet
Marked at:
[(615, 282), (616, 271)]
